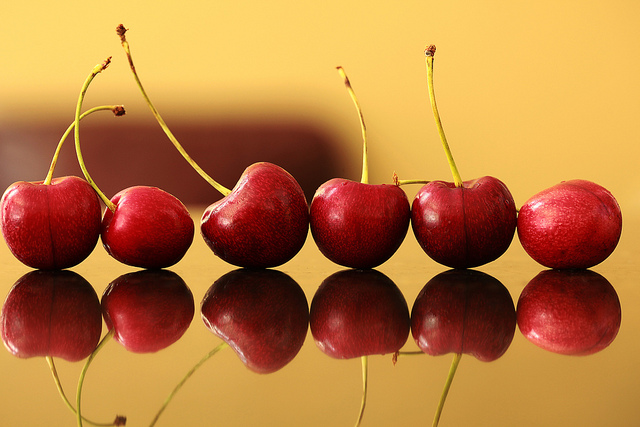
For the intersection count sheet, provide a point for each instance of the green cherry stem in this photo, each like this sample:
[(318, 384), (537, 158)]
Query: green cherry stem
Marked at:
[(83, 374), (184, 380), (452, 372), (352, 94), (56, 379), (118, 110), (121, 30), (76, 131), (365, 381), (429, 53)]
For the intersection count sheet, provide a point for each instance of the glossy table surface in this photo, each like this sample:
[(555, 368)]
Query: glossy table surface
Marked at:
[(527, 386)]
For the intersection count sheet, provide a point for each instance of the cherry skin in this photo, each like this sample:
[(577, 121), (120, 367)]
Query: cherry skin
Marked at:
[(466, 226), (53, 226), (574, 224), (357, 313), (359, 225), (262, 314), (573, 312), (262, 223), (149, 228), (464, 311), (148, 310), (51, 313)]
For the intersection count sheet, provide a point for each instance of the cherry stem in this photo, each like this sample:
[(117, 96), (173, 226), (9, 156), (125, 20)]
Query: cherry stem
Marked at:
[(452, 371), (83, 373), (185, 378), (365, 380), (352, 94), (429, 53), (411, 181), (76, 131), (121, 30), (398, 182), (58, 383), (118, 110)]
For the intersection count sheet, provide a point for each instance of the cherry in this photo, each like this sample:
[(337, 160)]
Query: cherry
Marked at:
[(574, 224), (148, 310), (149, 228), (262, 223), (463, 224), (357, 313), (143, 226), (52, 314), (463, 311), (574, 312), (357, 224), (262, 314), (145, 311)]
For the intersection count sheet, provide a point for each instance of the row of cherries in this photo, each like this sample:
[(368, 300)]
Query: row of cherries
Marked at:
[(265, 219)]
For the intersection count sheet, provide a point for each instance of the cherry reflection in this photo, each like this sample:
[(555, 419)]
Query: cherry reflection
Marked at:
[(463, 312), (570, 312), (148, 310), (358, 313), (262, 314), (51, 314)]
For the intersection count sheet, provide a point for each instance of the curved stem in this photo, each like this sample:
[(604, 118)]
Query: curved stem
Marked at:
[(184, 380), (83, 373), (352, 94), (76, 131), (121, 30), (365, 380), (429, 53), (56, 379), (447, 386), (118, 110)]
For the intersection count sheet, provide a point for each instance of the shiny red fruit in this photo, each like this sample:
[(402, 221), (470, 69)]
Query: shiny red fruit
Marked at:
[(51, 313), (262, 314), (575, 312), (467, 226), (150, 228), (53, 226), (464, 311), (262, 223), (359, 225), (357, 313), (574, 224), (148, 310)]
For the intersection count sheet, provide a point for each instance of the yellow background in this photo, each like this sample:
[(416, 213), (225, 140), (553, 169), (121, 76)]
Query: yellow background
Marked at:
[(530, 92)]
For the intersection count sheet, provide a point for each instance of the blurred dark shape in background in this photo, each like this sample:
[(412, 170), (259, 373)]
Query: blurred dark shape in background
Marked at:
[(120, 153)]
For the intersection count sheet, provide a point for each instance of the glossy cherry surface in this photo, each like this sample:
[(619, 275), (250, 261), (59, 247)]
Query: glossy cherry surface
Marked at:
[(575, 312), (149, 228), (52, 226), (359, 225), (262, 314), (466, 226), (262, 223), (148, 310), (51, 313)]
